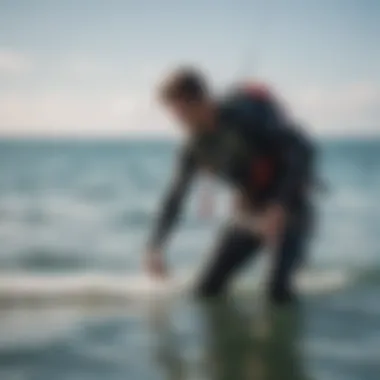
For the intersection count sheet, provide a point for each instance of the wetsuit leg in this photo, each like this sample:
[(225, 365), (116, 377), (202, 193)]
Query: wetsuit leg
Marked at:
[(290, 255), (234, 248)]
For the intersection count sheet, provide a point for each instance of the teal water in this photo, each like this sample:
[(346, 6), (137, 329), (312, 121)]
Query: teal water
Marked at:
[(74, 209)]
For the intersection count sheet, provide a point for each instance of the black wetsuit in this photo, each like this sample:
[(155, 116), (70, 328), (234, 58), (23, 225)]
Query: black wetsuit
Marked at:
[(254, 148)]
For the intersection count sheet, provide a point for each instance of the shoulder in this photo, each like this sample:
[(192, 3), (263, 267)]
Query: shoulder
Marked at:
[(234, 106), (239, 108), (257, 91), (243, 98), (250, 91)]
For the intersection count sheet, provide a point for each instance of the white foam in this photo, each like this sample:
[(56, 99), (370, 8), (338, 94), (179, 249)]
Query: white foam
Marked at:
[(324, 281), (98, 286), (103, 287)]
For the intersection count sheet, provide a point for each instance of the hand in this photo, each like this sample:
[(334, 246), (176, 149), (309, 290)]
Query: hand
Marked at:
[(155, 264), (273, 223)]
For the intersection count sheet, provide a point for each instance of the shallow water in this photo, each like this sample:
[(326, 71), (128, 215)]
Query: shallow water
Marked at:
[(74, 217), (326, 337)]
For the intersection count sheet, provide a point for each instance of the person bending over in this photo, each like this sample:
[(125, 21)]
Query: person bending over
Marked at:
[(246, 140)]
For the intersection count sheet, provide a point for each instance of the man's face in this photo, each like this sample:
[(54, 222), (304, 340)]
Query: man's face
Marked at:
[(190, 115)]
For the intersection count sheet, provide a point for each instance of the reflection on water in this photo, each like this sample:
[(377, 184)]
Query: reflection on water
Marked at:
[(236, 344), (167, 352), (191, 341)]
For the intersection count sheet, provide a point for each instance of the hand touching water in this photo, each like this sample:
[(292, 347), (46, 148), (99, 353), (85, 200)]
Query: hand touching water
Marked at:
[(155, 264), (273, 224)]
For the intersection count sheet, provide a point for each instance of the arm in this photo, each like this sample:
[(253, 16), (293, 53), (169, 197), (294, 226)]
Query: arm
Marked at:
[(173, 201), (268, 129), (266, 124), (297, 159)]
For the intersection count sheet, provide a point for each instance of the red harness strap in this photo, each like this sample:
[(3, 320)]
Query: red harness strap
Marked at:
[(262, 172), (258, 91), (263, 168)]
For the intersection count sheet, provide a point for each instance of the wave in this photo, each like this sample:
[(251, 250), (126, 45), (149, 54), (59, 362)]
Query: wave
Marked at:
[(114, 288)]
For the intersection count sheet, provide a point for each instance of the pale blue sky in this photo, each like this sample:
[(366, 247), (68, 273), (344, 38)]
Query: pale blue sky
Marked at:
[(90, 66)]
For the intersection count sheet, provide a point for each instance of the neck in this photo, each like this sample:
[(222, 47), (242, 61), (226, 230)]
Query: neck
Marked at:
[(209, 117)]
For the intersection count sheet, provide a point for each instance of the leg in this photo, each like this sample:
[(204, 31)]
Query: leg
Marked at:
[(235, 247), (289, 256)]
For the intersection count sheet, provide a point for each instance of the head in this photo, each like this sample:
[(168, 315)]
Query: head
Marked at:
[(186, 95)]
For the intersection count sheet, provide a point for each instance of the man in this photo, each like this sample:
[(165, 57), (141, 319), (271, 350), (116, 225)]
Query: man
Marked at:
[(246, 140)]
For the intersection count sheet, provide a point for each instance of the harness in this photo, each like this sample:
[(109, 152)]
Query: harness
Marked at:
[(263, 167)]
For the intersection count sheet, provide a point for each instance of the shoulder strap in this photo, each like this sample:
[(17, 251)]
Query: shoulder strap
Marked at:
[(258, 91)]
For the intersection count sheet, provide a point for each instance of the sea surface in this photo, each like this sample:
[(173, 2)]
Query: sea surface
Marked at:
[(75, 303)]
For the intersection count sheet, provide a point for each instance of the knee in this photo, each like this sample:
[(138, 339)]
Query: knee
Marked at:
[(208, 289), (279, 294)]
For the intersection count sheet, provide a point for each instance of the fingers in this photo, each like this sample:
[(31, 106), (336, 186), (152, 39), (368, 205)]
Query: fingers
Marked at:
[(155, 265), (273, 223)]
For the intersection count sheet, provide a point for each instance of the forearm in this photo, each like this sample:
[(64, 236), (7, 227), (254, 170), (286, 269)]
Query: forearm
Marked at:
[(166, 221), (173, 201)]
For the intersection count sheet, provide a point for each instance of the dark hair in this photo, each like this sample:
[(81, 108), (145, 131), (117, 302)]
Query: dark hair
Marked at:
[(185, 84)]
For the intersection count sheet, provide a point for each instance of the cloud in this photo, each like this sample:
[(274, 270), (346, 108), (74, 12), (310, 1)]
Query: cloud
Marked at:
[(74, 110), (353, 108), (70, 114), (82, 67), (13, 62), (81, 96)]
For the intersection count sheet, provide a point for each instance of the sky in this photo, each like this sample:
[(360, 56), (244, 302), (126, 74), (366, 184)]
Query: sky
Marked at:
[(91, 67)]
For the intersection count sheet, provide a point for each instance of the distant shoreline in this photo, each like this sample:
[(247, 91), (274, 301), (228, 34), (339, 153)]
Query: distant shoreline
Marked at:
[(159, 139)]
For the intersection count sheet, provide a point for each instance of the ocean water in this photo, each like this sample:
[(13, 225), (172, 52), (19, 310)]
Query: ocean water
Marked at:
[(75, 304)]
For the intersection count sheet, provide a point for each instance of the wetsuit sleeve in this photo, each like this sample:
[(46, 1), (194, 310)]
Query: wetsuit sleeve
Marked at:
[(297, 164), (173, 200)]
